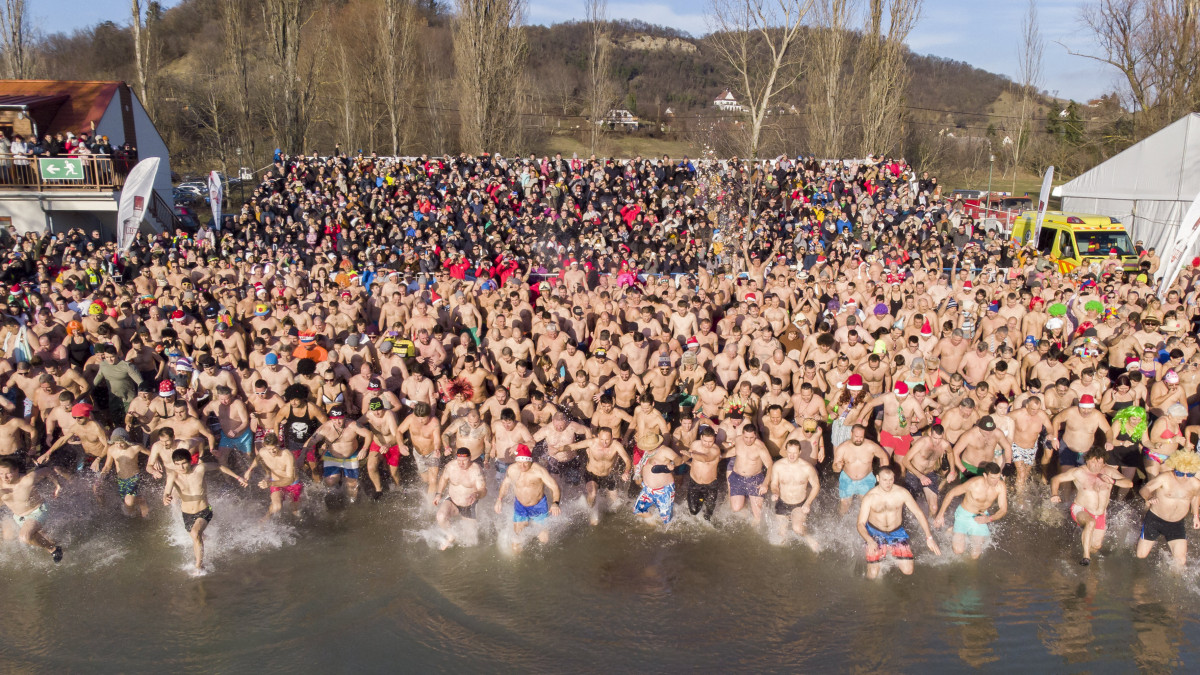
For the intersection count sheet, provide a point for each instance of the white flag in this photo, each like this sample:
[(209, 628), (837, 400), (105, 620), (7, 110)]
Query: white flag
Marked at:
[(1043, 202), (1185, 236), (135, 197), (216, 192)]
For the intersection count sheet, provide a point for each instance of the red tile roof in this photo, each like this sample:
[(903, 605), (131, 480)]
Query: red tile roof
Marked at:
[(85, 103)]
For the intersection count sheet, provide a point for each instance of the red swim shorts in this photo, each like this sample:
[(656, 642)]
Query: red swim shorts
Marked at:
[(292, 490), (392, 454), (899, 445)]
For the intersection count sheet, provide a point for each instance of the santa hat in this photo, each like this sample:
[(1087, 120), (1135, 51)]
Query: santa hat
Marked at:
[(968, 284), (692, 342), (1087, 401), (854, 382), (901, 389), (524, 454), (926, 329), (434, 298), (750, 297), (177, 315), (166, 388)]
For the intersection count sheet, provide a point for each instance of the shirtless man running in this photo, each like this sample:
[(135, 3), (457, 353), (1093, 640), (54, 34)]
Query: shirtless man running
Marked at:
[(922, 466), (794, 484), (464, 480), (343, 454), (971, 518), (281, 479), (425, 434), (1169, 496), (188, 479), (1094, 482), (750, 471), (853, 460), (602, 453), (28, 510), (881, 524), (529, 483), (123, 455)]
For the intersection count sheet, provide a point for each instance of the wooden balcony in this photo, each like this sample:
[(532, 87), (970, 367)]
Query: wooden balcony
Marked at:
[(99, 174)]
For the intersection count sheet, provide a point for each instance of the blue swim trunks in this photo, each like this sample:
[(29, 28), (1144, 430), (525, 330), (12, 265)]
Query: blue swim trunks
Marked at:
[(663, 498), (965, 523), (745, 486), (526, 514), (243, 443), (848, 487)]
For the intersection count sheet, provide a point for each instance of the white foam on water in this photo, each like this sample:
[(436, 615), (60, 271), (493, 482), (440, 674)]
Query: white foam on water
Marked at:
[(237, 528)]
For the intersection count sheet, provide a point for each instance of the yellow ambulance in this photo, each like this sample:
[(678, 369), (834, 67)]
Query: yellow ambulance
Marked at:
[(1071, 239)]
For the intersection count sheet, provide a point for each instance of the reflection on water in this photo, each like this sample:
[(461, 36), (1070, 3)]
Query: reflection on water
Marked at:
[(367, 586)]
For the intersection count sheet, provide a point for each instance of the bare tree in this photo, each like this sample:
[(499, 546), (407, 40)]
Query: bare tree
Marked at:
[(757, 40), (237, 59), (141, 52), (489, 50), (882, 67), (293, 87), (397, 38), (1029, 76), (600, 89), (831, 91), (1155, 46), (14, 39)]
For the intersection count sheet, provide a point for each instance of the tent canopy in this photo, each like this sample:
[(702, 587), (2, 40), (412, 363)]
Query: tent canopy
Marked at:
[(1148, 186)]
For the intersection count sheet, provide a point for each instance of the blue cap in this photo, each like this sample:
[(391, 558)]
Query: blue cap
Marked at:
[(272, 359)]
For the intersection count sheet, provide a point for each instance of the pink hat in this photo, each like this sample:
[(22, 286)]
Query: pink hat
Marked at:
[(1171, 377)]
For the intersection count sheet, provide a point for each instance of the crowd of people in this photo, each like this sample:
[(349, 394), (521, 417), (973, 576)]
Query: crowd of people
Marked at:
[(778, 336)]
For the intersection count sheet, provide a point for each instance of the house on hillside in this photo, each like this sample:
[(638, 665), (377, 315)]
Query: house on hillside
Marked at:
[(77, 190), (728, 102), (619, 118)]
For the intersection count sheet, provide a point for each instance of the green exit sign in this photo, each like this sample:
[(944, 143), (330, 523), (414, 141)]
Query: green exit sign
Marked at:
[(61, 168)]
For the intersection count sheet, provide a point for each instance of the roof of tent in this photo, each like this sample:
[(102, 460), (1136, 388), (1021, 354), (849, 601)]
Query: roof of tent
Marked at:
[(1164, 166)]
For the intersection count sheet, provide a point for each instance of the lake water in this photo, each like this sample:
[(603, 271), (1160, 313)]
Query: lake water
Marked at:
[(365, 589)]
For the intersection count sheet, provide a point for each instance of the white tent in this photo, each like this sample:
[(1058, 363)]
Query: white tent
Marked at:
[(1148, 187)]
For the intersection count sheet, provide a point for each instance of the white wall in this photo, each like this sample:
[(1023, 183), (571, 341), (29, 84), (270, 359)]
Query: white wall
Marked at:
[(149, 142), (59, 211)]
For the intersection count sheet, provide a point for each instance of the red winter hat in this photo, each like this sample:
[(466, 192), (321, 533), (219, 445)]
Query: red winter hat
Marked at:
[(1087, 401), (81, 410), (693, 342), (166, 388), (901, 389), (854, 382), (177, 315), (523, 453), (926, 329)]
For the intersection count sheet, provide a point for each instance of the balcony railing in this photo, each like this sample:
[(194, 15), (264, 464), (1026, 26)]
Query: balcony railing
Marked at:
[(22, 173)]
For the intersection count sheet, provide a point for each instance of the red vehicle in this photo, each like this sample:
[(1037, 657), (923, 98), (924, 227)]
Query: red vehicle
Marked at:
[(1001, 209)]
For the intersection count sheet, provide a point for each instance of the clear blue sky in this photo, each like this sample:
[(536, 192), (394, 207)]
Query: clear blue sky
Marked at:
[(983, 33)]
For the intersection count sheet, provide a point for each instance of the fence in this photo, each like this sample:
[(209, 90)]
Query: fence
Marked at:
[(21, 172)]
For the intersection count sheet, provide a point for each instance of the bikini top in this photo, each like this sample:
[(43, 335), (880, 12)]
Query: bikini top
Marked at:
[(336, 399)]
